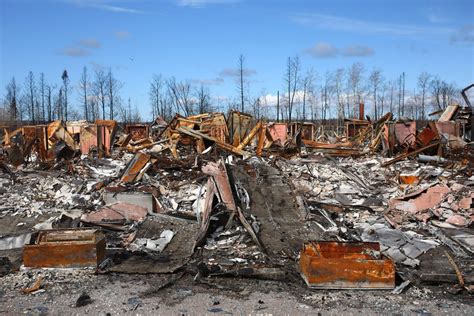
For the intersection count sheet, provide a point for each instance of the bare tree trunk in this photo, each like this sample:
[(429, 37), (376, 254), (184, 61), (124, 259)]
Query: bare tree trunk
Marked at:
[(31, 95), (278, 106), (42, 96), (84, 83), (304, 102), (112, 87), (65, 78), (241, 69), (403, 96), (49, 104), (399, 96)]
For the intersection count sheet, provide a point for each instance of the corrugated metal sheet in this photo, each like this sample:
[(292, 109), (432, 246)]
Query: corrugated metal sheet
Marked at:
[(344, 265)]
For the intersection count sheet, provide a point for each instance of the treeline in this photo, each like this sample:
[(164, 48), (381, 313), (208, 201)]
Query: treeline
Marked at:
[(338, 93), (308, 95), (40, 101), (305, 94)]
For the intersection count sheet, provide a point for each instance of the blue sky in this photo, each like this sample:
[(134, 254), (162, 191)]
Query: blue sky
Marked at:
[(201, 40)]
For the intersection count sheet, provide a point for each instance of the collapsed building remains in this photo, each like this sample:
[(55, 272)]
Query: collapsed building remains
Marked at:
[(233, 196)]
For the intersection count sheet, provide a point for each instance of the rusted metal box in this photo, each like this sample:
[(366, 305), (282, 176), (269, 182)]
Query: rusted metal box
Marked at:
[(65, 248), (346, 265), (138, 131)]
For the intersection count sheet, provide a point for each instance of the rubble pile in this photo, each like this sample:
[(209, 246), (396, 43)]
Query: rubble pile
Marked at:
[(215, 197)]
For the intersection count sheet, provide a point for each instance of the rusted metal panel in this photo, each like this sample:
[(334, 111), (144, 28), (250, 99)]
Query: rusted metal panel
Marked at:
[(52, 128), (105, 136), (427, 135), (315, 144), (405, 133), (117, 212), (37, 133), (420, 200), (449, 127), (200, 136), (278, 131), (250, 135), (239, 124), (388, 140), (88, 138), (219, 132), (307, 130), (354, 127), (346, 265), (398, 134), (409, 179), (74, 128), (219, 172), (448, 113), (137, 131), (135, 167), (56, 131), (215, 126), (65, 248)]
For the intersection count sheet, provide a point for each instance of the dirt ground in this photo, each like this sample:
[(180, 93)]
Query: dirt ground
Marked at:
[(142, 295)]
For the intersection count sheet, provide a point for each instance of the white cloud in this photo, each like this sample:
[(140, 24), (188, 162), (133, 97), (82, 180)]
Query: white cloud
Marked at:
[(203, 3), (357, 51), (322, 50), (464, 35), (106, 5), (338, 23), (97, 66), (90, 43), (122, 34), (234, 72), (327, 50), (208, 82), (74, 52), (434, 16)]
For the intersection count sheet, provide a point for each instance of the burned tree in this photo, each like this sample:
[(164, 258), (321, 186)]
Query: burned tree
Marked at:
[(113, 88), (59, 104), (338, 89), (203, 99), (49, 106), (100, 89), (355, 78), (11, 99), (42, 92), (157, 97), (241, 77), (181, 96), (307, 86), (326, 93), (423, 82), (375, 80), (30, 90), (84, 86), (65, 78), (292, 80)]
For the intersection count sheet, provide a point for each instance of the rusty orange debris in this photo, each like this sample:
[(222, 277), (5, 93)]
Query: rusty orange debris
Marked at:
[(409, 179), (65, 248), (137, 131), (346, 265), (135, 168)]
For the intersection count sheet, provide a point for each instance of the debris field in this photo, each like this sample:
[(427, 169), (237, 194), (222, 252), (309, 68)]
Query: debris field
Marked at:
[(230, 205)]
